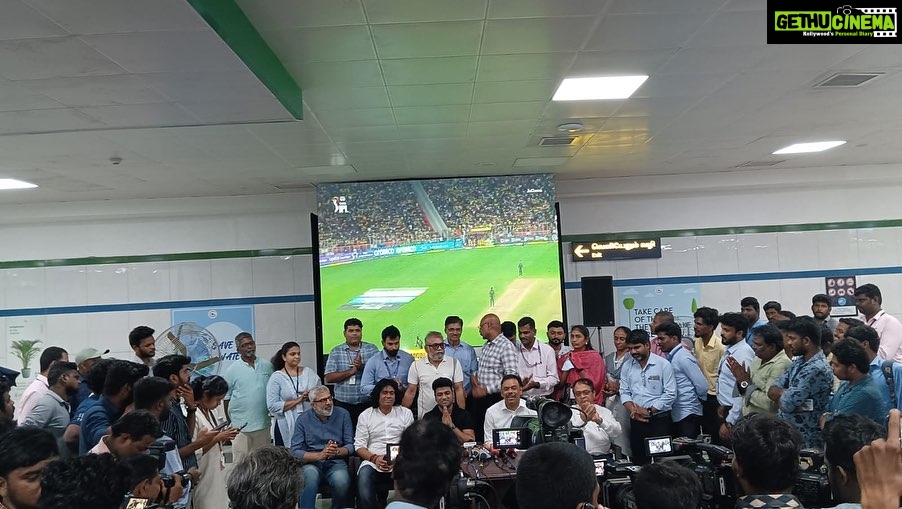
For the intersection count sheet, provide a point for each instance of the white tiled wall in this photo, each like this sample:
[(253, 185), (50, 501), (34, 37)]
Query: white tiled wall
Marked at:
[(771, 253), (136, 283)]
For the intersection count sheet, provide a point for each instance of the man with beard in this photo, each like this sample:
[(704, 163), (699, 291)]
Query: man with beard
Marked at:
[(556, 333), (180, 427), (426, 369), (803, 392), (52, 411), (324, 439), (648, 390), (843, 326), (733, 327), (117, 394), (751, 311), (869, 302), (392, 362), (144, 345), (155, 395), (821, 309), (245, 403), (448, 413), (769, 364), (24, 452)]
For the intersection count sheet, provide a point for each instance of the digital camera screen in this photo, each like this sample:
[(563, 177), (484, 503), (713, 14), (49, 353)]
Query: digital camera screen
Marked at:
[(659, 446), (599, 467), (391, 452), (508, 437)]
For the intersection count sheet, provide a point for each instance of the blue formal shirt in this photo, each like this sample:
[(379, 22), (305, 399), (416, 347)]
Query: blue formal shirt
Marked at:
[(382, 366), (652, 386), (95, 422), (466, 356), (340, 359), (247, 393), (692, 386), (862, 397), (311, 434), (880, 381), (806, 395)]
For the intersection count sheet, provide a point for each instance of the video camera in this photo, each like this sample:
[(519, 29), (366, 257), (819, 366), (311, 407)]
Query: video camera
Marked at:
[(711, 463), (812, 486), (551, 423)]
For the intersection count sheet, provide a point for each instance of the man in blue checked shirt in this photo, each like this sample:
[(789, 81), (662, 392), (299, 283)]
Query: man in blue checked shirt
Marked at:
[(392, 362), (648, 390), (345, 369), (463, 352), (803, 392), (692, 386)]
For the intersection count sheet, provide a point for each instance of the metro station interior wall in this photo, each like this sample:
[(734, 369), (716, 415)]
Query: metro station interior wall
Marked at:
[(785, 253), (688, 203), (155, 227)]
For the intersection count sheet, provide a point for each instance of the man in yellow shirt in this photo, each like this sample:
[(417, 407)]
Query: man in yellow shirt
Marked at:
[(708, 352)]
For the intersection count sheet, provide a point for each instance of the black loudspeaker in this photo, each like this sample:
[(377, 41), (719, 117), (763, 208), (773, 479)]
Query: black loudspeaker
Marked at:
[(598, 301)]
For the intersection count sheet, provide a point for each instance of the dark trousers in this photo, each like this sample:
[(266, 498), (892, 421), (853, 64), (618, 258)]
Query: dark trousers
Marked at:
[(477, 409), (657, 426), (355, 409), (710, 421), (687, 427)]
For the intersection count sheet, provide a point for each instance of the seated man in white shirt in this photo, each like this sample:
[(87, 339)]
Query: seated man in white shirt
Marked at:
[(597, 422), (503, 412), (377, 427)]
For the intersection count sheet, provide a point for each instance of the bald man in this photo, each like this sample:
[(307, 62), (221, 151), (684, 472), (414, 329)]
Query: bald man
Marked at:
[(498, 358)]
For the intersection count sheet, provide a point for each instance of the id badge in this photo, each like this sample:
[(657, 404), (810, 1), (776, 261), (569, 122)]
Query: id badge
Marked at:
[(808, 405), (352, 380)]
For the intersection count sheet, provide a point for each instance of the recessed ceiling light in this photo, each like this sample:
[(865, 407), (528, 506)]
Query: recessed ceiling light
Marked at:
[(805, 148), (15, 184), (589, 89), (570, 127)]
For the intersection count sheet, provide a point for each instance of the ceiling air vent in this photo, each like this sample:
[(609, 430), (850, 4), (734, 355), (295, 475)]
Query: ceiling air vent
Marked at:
[(556, 141), (759, 164), (848, 79)]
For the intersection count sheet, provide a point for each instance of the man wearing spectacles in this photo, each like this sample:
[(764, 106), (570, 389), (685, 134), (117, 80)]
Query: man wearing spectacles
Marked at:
[(538, 364), (324, 439), (497, 360), (426, 369)]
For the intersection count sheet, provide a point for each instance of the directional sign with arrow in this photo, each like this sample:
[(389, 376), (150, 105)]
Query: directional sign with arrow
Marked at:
[(615, 249)]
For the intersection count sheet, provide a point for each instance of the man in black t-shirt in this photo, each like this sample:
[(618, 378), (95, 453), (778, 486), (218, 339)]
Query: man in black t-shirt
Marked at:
[(448, 413)]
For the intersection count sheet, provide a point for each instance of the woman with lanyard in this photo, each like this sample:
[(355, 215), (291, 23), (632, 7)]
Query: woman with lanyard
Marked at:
[(286, 392), (613, 364), (211, 492)]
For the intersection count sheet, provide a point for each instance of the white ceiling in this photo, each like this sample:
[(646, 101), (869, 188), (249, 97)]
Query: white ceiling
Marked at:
[(415, 88)]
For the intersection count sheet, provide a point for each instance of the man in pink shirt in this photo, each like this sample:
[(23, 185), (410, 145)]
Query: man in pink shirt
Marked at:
[(869, 302), (131, 435)]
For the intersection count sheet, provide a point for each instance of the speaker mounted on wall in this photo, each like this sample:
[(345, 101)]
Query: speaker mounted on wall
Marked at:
[(598, 301)]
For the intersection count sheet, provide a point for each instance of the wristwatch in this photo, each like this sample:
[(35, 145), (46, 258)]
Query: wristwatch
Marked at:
[(743, 385)]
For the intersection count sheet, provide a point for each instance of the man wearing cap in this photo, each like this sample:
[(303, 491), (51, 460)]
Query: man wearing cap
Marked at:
[(85, 359)]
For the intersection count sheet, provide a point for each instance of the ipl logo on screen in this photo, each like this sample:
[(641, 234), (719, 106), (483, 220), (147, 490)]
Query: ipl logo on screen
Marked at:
[(341, 204)]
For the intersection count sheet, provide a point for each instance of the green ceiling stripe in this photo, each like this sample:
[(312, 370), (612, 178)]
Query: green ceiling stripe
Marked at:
[(229, 21), (735, 230), (173, 257)]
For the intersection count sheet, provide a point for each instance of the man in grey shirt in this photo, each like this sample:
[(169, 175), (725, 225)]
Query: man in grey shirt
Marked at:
[(52, 410)]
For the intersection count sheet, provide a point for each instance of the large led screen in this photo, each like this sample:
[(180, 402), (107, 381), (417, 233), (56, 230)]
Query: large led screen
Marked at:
[(409, 253)]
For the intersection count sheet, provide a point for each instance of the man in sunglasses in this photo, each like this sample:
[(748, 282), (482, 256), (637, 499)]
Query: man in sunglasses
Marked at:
[(426, 369)]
